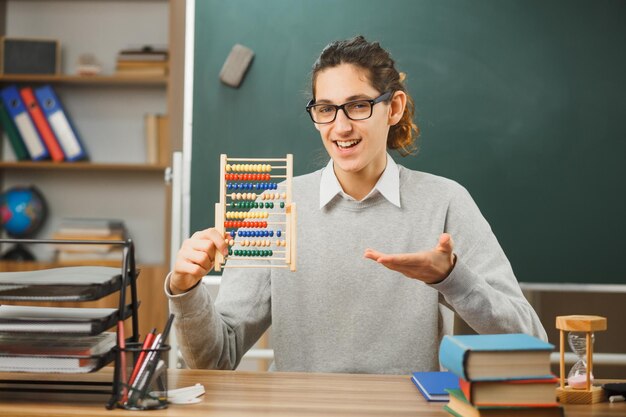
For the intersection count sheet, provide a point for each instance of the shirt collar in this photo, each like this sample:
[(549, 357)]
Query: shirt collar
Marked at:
[(388, 184)]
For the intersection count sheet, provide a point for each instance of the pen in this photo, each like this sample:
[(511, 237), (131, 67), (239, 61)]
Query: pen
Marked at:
[(121, 340), (142, 355)]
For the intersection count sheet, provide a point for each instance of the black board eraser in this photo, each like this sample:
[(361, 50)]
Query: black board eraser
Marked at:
[(236, 65)]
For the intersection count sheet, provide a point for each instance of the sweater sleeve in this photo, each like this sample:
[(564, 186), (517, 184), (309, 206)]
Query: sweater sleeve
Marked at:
[(217, 335), (482, 287)]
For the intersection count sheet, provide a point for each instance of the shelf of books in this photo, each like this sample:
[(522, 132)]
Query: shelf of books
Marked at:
[(88, 80), (81, 166)]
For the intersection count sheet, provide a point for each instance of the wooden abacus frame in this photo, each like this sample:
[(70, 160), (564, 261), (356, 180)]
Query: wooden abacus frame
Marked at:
[(252, 169)]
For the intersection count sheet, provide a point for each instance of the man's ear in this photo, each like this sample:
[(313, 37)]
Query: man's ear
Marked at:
[(396, 107)]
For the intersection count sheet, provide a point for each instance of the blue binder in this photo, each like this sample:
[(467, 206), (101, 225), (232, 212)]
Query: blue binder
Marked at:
[(24, 124), (64, 130)]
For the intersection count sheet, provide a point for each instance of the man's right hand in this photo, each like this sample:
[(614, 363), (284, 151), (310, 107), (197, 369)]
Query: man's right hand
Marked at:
[(195, 259)]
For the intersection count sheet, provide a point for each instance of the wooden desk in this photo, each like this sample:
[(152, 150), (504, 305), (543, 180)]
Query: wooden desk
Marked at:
[(238, 394)]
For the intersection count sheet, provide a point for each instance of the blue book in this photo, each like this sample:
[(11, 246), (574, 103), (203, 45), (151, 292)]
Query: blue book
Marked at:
[(496, 356), (63, 129), (24, 124), (433, 385)]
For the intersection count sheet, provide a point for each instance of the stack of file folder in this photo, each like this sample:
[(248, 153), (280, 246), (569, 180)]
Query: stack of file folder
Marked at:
[(58, 339)]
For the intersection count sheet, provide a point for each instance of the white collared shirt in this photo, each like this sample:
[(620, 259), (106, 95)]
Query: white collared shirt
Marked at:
[(388, 184)]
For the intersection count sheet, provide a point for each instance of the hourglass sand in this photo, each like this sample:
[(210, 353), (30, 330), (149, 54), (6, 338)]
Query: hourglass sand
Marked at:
[(580, 338)]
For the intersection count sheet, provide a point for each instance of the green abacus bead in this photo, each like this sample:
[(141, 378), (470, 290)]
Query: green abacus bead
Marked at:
[(271, 252), (271, 205), (256, 205), (230, 251), (282, 204)]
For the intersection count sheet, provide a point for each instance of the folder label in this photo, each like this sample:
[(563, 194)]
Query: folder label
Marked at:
[(64, 132), (30, 135)]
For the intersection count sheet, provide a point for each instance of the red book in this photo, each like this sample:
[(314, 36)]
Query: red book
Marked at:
[(42, 125)]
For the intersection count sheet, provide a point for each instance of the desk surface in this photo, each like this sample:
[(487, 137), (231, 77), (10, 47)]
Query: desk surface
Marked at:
[(237, 394)]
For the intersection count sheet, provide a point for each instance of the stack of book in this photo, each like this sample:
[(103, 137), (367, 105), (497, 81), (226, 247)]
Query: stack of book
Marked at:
[(104, 230), (500, 375), (37, 125), (147, 61)]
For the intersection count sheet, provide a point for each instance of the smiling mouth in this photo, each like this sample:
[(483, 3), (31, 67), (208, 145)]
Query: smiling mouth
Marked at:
[(346, 144)]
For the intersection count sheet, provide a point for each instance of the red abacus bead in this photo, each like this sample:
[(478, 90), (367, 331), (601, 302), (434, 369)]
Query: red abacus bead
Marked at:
[(263, 224)]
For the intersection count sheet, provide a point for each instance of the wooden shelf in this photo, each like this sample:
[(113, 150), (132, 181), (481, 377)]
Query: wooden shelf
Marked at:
[(95, 80), (82, 166)]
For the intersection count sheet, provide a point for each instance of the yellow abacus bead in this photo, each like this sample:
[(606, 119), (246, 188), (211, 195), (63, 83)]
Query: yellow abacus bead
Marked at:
[(246, 242), (228, 168), (265, 215), (267, 243), (250, 196), (283, 196), (231, 242), (268, 168)]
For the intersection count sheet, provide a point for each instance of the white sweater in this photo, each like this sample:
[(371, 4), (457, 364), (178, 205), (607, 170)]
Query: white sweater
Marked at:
[(341, 312)]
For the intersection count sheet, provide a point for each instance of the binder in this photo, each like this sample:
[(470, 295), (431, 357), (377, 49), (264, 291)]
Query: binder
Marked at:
[(17, 110), (65, 132), (19, 149), (41, 123)]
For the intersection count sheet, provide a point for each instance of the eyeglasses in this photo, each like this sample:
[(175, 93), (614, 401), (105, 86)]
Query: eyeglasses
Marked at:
[(354, 110)]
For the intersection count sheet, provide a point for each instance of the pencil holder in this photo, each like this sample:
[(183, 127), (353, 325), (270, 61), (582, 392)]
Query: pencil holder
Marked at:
[(142, 377)]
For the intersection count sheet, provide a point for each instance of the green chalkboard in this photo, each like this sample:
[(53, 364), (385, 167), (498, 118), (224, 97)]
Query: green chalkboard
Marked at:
[(523, 102)]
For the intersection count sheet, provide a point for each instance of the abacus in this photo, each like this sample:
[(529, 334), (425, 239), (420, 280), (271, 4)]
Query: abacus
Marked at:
[(255, 214)]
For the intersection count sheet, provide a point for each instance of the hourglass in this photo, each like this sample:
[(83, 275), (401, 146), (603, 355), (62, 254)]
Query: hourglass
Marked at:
[(580, 339)]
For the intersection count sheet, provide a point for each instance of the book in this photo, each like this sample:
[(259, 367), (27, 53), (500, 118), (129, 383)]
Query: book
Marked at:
[(459, 406), (68, 320), (496, 356), (24, 124), (58, 119), (19, 149), (433, 385), (91, 228), (41, 123), (143, 53), (53, 353), (522, 392), (151, 137)]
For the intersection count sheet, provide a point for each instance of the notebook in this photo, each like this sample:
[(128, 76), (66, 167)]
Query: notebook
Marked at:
[(433, 385)]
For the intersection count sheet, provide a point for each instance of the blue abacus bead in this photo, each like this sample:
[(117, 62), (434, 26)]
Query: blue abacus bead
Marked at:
[(274, 186), (271, 233), (278, 233)]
